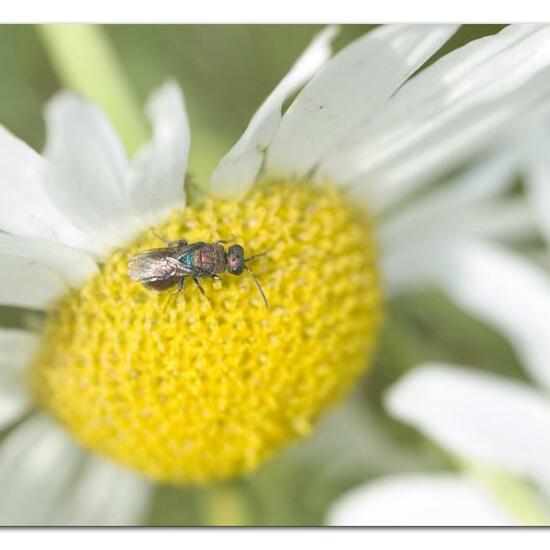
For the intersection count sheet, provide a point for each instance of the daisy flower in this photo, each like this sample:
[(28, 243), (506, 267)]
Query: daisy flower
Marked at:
[(193, 390), (497, 427)]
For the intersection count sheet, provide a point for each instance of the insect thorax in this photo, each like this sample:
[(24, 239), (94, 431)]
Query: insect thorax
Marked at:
[(187, 259), (210, 258)]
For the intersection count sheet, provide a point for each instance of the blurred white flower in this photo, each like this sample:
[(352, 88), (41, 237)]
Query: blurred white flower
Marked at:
[(361, 120), (481, 418), (430, 499)]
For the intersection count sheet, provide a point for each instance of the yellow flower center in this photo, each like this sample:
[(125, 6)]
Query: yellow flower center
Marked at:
[(191, 389)]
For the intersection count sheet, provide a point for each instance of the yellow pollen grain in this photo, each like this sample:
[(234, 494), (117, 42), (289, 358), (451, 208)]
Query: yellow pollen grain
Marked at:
[(197, 390)]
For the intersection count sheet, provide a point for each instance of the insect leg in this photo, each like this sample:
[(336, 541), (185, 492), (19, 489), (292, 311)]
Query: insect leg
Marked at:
[(167, 242), (167, 301), (159, 237), (181, 284), (197, 282), (177, 243), (225, 241)]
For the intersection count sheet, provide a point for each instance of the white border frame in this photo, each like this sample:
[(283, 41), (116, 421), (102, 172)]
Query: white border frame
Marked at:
[(280, 11)]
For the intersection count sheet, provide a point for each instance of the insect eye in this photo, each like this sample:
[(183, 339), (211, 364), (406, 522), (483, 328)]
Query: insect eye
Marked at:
[(236, 251), (235, 259), (237, 269)]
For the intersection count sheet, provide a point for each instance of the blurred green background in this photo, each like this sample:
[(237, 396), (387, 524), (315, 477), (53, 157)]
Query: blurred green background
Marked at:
[(226, 71)]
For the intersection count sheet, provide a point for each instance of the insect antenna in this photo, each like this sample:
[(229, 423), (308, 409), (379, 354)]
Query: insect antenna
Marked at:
[(256, 256), (258, 285), (254, 278)]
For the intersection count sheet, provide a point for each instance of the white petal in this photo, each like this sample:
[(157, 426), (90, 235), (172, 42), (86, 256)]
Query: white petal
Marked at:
[(507, 292), (105, 494), (508, 219), (17, 347), (447, 112), (88, 170), (26, 283), (412, 252), (37, 464), (412, 264), (411, 267), (71, 265), (436, 499), (238, 169), (484, 418), (538, 178), (16, 350), (34, 272), (25, 207), (450, 205), (47, 480), (158, 171), (348, 91)]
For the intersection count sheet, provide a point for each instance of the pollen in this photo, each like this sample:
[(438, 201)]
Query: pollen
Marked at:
[(191, 389)]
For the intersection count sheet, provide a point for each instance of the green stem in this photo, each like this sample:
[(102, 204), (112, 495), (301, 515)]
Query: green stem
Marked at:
[(225, 505), (84, 60)]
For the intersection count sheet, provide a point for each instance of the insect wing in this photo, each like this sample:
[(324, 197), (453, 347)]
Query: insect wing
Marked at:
[(154, 265)]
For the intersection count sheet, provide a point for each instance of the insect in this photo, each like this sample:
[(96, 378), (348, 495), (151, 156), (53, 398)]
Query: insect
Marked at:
[(160, 269)]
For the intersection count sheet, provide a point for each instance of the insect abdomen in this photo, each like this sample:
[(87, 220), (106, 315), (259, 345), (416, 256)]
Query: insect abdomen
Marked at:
[(162, 284)]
